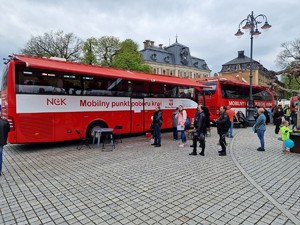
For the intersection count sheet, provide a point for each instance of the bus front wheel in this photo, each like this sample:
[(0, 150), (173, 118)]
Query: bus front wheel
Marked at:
[(94, 126)]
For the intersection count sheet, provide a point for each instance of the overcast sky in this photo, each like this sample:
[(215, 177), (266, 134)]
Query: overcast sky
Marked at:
[(206, 27)]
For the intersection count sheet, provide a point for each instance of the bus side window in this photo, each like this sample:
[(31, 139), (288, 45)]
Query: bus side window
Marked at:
[(59, 87), (27, 87)]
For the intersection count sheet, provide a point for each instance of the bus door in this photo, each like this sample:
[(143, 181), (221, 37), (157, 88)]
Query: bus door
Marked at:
[(137, 115)]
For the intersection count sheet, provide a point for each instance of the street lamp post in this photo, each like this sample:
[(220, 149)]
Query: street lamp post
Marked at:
[(251, 24)]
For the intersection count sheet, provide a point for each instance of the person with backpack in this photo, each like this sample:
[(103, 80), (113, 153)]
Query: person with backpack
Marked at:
[(157, 122), (260, 128), (199, 132), (223, 124), (181, 118), (207, 116)]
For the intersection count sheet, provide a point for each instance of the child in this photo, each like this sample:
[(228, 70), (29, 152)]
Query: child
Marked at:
[(285, 135)]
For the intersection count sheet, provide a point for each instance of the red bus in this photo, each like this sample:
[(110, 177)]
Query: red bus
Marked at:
[(226, 92), (293, 102), (46, 100)]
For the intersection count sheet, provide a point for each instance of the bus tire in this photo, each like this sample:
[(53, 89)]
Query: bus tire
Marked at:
[(93, 126)]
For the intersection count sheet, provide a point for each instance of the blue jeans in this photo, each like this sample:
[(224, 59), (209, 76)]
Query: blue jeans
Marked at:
[(157, 134), (230, 129), (261, 134), (1, 157), (183, 137), (175, 133)]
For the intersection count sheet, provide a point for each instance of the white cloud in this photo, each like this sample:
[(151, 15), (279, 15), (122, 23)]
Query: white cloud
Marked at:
[(207, 27)]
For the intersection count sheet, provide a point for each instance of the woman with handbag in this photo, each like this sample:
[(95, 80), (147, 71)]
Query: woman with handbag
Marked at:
[(260, 128), (181, 118)]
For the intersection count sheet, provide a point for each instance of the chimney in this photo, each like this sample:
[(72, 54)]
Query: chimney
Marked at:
[(160, 46), (152, 43), (146, 44), (241, 54)]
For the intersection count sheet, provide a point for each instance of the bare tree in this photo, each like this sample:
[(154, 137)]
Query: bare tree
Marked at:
[(55, 44), (289, 60)]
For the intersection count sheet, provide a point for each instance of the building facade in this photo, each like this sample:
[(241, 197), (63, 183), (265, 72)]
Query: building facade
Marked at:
[(174, 60), (240, 68)]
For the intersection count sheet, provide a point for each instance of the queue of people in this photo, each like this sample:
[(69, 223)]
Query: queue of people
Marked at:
[(224, 125), (201, 127)]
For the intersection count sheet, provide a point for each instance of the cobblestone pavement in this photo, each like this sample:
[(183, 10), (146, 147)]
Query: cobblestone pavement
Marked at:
[(139, 184)]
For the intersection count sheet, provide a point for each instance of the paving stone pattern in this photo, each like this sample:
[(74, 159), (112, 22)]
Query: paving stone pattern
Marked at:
[(139, 184)]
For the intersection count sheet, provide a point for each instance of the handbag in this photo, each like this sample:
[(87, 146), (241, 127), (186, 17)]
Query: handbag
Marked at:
[(180, 128)]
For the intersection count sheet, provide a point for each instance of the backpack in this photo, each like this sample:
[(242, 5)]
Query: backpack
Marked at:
[(187, 123)]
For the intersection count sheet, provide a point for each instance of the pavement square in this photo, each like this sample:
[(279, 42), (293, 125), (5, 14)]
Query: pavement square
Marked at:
[(139, 184)]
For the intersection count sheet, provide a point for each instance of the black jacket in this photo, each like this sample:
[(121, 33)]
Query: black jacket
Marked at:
[(4, 129), (222, 123), (157, 117), (201, 123)]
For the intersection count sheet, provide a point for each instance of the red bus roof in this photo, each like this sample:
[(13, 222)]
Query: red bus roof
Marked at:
[(72, 67), (230, 80)]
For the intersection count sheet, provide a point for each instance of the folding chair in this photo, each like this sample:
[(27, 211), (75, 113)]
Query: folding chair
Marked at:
[(83, 141), (117, 133)]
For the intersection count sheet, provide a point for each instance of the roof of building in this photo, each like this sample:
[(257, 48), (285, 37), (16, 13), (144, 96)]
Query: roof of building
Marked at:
[(240, 59), (176, 54)]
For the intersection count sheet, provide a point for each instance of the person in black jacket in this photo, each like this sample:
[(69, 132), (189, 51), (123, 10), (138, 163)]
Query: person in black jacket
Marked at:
[(223, 124), (200, 131), (278, 115), (4, 129), (207, 117), (157, 122)]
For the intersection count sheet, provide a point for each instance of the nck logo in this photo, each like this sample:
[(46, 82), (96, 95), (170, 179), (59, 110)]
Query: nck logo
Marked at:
[(56, 101)]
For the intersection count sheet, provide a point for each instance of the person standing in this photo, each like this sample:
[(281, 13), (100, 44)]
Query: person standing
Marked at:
[(223, 124), (260, 127), (270, 114), (231, 114), (174, 124), (199, 132), (157, 122), (181, 117), (277, 117), (294, 117), (287, 112), (207, 119), (4, 129)]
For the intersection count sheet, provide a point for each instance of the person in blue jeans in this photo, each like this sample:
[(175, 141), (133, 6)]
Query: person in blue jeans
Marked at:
[(260, 127), (157, 122), (174, 124), (4, 129), (181, 118)]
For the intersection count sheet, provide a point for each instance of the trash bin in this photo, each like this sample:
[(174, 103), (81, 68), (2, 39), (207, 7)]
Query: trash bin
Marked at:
[(295, 136)]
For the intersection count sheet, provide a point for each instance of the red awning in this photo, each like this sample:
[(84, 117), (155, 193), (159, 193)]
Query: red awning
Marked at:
[(71, 67)]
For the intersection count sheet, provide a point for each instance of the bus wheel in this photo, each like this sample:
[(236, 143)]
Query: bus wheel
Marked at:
[(94, 126)]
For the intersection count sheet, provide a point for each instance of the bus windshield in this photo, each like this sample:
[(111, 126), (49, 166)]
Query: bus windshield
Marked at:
[(211, 89), (241, 92)]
